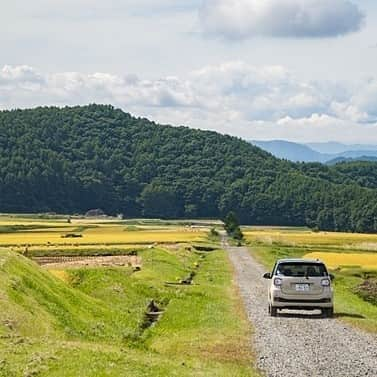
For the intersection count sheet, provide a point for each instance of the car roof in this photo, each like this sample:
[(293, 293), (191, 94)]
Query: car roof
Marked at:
[(299, 260)]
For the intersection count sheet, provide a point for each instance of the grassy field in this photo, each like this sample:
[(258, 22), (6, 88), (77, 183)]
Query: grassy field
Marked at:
[(94, 322), (351, 257)]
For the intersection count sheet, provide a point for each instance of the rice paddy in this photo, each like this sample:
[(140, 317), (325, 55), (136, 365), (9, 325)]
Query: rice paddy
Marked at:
[(28, 235), (337, 250), (334, 261), (304, 237)]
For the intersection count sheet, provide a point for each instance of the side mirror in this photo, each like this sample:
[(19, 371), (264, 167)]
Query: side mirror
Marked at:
[(332, 277), (267, 275)]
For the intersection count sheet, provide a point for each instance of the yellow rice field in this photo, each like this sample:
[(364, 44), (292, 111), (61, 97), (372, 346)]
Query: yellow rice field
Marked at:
[(72, 247), (340, 260), (300, 237), (111, 237), (104, 234)]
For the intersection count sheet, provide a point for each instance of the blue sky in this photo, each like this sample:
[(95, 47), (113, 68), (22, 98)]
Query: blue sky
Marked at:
[(302, 70)]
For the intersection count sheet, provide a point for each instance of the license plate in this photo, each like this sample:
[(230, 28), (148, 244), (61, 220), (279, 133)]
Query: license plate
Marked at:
[(302, 287)]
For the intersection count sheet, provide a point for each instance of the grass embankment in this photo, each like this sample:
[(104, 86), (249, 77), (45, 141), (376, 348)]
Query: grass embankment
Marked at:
[(352, 303), (95, 324)]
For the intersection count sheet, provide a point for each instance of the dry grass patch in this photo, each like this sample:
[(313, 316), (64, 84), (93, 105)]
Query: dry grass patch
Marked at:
[(61, 274)]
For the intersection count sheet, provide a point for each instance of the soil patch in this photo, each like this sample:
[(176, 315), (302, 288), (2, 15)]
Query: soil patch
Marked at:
[(89, 261), (368, 290)]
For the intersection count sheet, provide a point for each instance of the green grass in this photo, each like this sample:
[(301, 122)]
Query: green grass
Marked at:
[(349, 306), (269, 254), (92, 326), (37, 304), (352, 308), (82, 252), (22, 228), (196, 315)]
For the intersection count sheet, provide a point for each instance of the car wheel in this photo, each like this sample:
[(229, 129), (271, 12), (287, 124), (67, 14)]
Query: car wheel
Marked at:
[(328, 312), (273, 311)]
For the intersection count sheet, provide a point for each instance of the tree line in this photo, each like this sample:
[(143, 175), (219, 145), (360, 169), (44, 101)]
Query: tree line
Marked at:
[(72, 159)]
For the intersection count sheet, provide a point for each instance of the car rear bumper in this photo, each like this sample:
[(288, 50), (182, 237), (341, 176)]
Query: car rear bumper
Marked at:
[(280, 300), (302, 304)]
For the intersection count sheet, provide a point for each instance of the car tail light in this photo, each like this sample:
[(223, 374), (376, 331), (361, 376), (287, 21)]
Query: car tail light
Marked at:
[(278, 282), (325, 282)]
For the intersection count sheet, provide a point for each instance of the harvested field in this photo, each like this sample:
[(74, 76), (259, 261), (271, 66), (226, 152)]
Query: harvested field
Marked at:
[(90, 261)]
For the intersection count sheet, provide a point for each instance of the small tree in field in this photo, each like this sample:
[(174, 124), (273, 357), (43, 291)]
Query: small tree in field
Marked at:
[(232, 226)]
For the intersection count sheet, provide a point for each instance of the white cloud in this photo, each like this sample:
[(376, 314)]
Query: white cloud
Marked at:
[(316, 128), (234, 97), (366, 99), (22, 74), (241, 19)]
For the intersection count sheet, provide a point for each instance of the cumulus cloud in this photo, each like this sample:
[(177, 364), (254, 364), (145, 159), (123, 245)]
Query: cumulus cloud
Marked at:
[(22, 75), (241, 19), (23, 86), (317, 127), (234, 97)]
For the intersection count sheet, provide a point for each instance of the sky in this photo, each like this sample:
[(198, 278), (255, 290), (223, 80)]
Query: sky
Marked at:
[(299, 70)]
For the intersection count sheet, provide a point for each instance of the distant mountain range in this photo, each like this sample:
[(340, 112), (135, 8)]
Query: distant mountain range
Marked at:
[(331, 152)]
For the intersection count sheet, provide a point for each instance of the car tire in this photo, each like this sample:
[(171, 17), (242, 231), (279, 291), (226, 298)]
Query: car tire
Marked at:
[(273, 311), (328, 312)]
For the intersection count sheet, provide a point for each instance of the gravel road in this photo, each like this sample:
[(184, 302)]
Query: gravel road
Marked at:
[(299, 344)]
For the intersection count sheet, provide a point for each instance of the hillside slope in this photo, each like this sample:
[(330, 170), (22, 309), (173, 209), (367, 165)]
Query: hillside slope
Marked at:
[(363, 173), (73, 159), (34, 303)]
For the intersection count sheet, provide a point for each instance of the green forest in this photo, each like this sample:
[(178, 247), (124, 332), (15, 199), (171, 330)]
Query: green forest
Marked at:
[(70, 160)]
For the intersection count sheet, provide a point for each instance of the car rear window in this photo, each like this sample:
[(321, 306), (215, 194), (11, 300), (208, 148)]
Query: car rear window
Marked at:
[(301, 269)]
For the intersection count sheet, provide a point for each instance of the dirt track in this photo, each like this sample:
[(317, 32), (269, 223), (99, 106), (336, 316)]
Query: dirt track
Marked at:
[(300, 344)]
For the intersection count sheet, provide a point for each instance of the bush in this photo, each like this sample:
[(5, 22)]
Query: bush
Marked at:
[(232, 226), (213, 232)]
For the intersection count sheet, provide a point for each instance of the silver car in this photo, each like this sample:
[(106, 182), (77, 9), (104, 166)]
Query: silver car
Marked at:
[(300, 284)]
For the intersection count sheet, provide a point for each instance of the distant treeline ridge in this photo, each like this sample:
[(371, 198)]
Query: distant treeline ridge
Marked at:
[(70, 160)]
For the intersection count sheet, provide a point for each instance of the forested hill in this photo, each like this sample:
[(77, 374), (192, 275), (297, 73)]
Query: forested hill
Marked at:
[(364, 173), (74, 159)]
